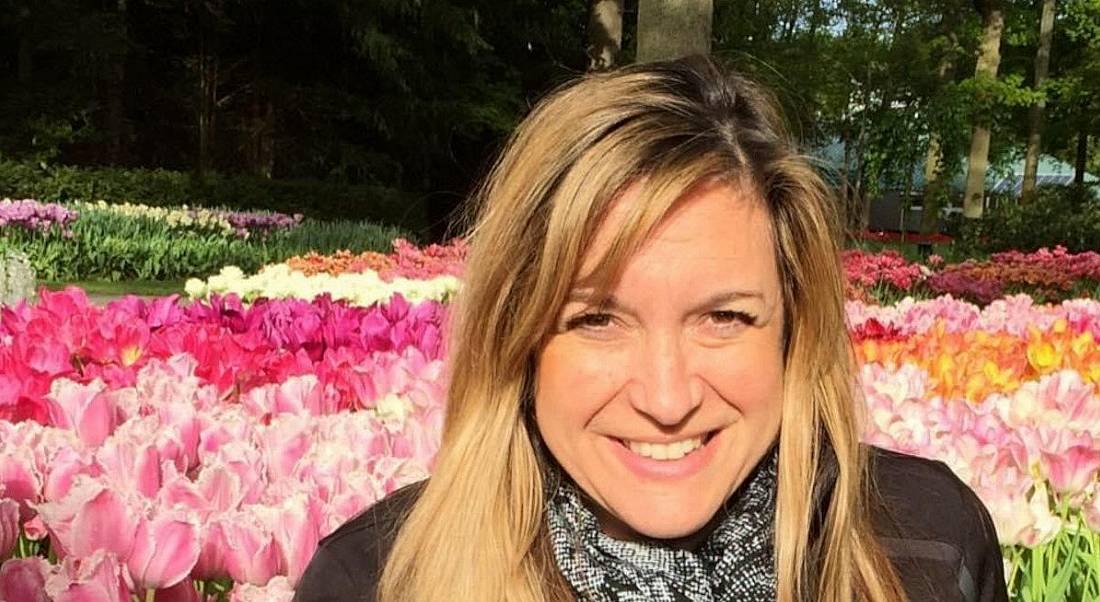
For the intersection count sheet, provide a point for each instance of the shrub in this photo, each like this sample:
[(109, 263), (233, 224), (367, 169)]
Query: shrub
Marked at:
[(164, 188), (1058, 216)]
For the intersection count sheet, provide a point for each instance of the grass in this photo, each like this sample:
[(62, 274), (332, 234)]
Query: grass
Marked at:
[(147, 288)]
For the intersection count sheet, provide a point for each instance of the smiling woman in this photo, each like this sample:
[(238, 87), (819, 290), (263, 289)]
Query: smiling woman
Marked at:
[(652, 387)]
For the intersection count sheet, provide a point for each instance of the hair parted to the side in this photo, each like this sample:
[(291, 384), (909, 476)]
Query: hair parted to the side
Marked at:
[(477, 531)]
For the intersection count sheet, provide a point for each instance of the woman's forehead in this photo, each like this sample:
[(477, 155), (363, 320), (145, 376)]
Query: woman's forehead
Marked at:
[(713, 221)]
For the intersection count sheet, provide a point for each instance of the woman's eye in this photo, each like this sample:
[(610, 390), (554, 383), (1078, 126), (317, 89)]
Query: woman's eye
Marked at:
[(724, 317), (589, 320)]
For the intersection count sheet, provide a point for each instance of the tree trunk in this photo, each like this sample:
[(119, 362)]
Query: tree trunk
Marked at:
[(605, 34), (1035, 115), (932, 196), (988, 62), (670, 29), (845, 186), (260, 153), (1082, 157)]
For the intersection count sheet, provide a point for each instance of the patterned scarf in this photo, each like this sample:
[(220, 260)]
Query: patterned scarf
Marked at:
[(735, 563)]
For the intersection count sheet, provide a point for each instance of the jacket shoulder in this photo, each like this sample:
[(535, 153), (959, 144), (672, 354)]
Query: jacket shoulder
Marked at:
[(935, 529), (349, 561)]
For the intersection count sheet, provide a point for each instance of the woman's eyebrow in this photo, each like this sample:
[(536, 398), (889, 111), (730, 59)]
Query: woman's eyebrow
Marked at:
[(723, 297), (717, 299)]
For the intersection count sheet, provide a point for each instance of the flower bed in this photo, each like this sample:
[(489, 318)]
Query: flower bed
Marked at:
[(1048, 275), (235, 431), (239, 224), (99, 241), (406, 261), (220, 442)]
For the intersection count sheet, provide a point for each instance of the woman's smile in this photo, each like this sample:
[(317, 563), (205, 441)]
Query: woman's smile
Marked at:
[(673, 461)]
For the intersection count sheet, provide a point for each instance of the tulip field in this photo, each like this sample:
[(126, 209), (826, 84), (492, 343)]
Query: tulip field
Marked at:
[(198, 447)]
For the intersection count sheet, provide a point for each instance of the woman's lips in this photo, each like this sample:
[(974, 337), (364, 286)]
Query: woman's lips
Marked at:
[(667, 470)]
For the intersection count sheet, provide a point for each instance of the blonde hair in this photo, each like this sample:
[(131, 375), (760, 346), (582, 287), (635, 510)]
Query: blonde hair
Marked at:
[(477, 530)]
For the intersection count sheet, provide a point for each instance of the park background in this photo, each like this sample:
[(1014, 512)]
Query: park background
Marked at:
[(227, 253)]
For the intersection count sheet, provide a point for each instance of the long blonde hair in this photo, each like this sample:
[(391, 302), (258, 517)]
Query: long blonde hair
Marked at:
[(477, 530)]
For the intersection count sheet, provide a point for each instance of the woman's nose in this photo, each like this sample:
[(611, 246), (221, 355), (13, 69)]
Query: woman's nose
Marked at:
[(664, 387)]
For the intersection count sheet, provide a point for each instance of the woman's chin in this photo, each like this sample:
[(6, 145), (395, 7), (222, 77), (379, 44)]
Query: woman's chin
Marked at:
[(672, 525)]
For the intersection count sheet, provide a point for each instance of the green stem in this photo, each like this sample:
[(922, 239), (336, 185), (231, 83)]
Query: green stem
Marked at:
[(150, 595)]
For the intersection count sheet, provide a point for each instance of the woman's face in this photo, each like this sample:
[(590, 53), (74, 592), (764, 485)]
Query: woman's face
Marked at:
[(660, 400)]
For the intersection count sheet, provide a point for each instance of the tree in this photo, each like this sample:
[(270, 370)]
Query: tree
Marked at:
[(605, 34), (1035, 115), (669, 29), (935, 187), (985, 73)]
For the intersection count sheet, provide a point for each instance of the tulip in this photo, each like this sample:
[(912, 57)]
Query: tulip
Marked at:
[(83, 408), (24, 579), (91, 517), (1072, 470), (278, 589), (20, 478), (165, 550), (250, 552), (9, 525), (98, 577)]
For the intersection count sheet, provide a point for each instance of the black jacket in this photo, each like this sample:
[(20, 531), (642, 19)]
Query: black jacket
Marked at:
[(934, 528)]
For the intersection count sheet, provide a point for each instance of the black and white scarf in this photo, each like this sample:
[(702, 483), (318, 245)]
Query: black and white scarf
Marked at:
[(735, 562)]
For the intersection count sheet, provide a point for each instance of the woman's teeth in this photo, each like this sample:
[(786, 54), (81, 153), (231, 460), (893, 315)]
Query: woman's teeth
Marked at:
[(665, 451)]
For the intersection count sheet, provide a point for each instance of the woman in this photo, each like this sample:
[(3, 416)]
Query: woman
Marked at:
[(651, 390)]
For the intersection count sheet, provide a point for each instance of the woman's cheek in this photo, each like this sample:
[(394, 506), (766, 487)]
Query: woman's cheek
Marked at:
[(746, 378), (579, 376)]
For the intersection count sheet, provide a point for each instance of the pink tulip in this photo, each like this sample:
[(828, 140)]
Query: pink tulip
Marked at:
[(24, 579), (19, 478), (98, 577), (83, 408), (63, 468), (278, 589), (164, 552), (249, 551), (296, 525), (284, 442), (130, 462), (90, 518), (10, 526), (1072, 470)]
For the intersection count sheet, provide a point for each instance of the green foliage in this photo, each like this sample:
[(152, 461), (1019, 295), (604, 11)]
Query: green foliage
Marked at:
[(165, 188), (1067, 216), (112, 247)]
